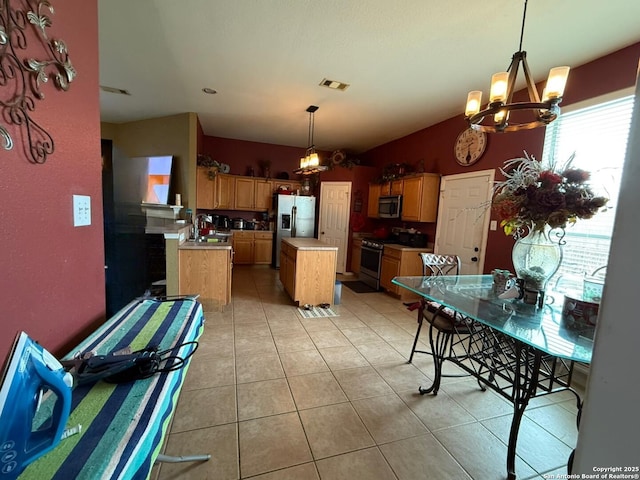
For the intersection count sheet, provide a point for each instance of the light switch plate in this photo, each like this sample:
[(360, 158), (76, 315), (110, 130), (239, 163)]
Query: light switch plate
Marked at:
[(493, 225), (81, 210)]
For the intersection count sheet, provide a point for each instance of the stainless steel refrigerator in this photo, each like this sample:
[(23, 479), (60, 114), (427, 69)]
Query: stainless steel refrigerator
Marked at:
[(295, 217)]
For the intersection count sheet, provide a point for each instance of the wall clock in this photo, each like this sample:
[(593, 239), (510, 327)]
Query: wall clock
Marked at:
[(469, 146)]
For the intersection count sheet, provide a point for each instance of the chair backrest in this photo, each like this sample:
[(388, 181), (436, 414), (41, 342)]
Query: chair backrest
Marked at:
[(436, 264)]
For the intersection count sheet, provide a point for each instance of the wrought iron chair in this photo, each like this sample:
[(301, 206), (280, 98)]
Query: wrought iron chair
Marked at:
[(444, 322)]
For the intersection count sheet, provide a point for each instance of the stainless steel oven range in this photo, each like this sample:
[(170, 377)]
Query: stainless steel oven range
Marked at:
[(371, 261)]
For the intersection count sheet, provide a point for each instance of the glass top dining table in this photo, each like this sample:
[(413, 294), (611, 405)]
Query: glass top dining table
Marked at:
[(541, 328)]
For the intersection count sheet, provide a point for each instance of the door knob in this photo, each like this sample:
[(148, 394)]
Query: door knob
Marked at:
[(474, 259)]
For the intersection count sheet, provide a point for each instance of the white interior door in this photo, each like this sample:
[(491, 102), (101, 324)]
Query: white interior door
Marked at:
[(463, 218), (333, 224)]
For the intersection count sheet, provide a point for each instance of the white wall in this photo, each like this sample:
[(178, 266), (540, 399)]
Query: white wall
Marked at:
[(610, 427)]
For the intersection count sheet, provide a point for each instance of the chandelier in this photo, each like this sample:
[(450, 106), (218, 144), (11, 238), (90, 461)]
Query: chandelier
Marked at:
[(310, 163), (497, 116)]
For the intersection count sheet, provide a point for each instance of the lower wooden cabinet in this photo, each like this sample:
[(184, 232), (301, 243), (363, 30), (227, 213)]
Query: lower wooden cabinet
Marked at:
[(206, 272), (356, 253), (252, 247), (401, 261), (262, 247)]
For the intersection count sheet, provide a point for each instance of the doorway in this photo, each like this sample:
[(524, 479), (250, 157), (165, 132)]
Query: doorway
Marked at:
[(333, 224), (463, 218)]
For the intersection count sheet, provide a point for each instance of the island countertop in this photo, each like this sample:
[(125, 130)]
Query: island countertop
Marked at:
[(190, 245), (308, 244)]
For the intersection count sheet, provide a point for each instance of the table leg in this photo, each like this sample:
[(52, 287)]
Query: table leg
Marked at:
[(527, 369)]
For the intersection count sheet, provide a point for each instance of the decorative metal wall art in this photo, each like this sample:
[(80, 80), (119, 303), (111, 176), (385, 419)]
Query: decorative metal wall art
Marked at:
[(25, 22)]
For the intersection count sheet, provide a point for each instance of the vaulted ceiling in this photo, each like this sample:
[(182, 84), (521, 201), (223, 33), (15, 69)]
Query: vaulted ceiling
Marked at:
[(409, 63)]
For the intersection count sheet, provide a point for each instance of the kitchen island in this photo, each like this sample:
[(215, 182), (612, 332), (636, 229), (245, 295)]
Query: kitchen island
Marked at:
[(308, 270), (205, 269)]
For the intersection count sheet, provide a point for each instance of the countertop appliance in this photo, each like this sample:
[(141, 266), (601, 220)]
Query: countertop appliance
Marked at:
[(390, 206), (295, 217), (238, 223), (221, 222)]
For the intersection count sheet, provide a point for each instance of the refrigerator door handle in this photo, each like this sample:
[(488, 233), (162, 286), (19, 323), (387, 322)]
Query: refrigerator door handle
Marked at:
[(294, 212)]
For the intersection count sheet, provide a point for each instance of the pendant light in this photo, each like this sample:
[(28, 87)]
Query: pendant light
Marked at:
[(310, 163), (496, 117)]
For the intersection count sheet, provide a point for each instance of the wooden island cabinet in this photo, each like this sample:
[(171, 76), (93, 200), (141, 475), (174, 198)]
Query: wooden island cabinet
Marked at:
[(308, 270), (205, 270)]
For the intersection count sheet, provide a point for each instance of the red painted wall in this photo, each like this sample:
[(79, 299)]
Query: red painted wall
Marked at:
[(434, 145), (241, 155), (52, 274)]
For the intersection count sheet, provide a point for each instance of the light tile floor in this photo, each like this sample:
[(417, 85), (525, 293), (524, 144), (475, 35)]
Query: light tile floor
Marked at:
[(274, 396)]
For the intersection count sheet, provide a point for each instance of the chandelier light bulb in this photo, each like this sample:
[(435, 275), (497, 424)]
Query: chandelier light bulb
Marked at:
[(499, 82), (555, 83), (474, 100)]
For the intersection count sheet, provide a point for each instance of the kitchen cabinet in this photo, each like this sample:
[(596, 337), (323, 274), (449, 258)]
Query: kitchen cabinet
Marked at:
[(213, 193), (253, 194), (205, 189), (237, 192), (400, 261), (308, 270), (206, 272), (262, 247), (374, 195), (377, 190), (245, 194), (292, 185), (264, 194), (252, 247), (356, 253), (420, 197), (288, 268), (225, 191)]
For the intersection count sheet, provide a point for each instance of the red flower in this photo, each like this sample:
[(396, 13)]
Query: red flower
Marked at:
[(548, 177)]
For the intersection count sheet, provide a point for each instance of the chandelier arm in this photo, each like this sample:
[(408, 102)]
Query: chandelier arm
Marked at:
[(513, 69), (531, 84)]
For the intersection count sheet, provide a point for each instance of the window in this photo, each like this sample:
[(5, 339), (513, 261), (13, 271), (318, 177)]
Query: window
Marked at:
[(598, 135)]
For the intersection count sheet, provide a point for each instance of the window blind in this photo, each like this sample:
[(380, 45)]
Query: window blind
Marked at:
[(598, 136)]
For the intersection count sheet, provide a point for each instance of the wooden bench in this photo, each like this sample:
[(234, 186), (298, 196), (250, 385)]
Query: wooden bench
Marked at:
[(123, 426)]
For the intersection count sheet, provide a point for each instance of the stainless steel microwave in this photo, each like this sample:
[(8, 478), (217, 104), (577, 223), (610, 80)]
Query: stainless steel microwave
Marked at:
[(390, 206)]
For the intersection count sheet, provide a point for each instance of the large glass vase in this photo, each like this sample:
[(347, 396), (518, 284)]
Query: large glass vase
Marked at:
[(536, 257)]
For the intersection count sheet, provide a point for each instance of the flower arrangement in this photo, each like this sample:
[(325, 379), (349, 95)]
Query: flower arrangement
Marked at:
[(213, 166), (534, 195)]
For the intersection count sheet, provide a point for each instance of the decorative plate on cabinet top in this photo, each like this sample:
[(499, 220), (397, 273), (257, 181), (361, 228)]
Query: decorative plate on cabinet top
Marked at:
[(225, 168)]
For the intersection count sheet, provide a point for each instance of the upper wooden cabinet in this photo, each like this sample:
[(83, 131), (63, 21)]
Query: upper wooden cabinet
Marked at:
[(225, 191), (374, 195), (236, 192), (263, 194), (245, 197), (420, 197), (212, 193), (205, 190)]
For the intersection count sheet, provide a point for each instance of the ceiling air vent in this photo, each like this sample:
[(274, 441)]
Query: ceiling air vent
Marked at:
[(332, 84), (119, 91)]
